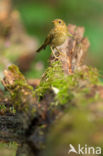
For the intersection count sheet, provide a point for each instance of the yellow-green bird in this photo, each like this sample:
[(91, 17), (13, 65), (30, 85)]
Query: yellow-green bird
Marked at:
[(57, 35)]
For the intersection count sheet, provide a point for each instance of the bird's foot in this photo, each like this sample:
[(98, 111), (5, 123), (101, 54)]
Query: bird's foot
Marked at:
[(56, 57), (60, 52)]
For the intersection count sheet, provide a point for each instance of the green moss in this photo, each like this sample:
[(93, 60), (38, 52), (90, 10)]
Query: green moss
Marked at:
[(69, 86), (15, 70), (50, 76), (18, 79), (3, 108), (19, 96), (20, 91)]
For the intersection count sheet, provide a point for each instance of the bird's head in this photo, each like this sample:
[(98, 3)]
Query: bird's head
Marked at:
[(59, 23)]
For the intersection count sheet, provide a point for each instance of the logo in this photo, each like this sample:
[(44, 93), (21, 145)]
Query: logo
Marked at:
[(84, 149)]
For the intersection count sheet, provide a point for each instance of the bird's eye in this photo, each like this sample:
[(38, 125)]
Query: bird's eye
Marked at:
[(59, 21)]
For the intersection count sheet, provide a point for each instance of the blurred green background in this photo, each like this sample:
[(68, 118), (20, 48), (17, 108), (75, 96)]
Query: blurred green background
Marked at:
[(37, 15)]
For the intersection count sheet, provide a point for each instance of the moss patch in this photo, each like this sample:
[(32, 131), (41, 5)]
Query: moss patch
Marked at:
[(68, 86)]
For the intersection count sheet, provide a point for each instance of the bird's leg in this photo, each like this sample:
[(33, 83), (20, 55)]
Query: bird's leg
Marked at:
[(61, 53), (53, 52)]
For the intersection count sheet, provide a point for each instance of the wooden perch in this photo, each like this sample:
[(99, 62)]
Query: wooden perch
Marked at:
[(74, 50)]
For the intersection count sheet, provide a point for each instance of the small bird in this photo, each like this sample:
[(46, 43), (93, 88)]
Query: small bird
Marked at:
[(57, 35)]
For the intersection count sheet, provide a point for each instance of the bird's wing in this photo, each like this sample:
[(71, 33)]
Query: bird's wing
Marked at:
[(49, 38), (47, 41)]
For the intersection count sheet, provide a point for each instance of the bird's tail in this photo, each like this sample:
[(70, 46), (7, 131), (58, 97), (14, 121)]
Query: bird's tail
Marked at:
[(42, 47)]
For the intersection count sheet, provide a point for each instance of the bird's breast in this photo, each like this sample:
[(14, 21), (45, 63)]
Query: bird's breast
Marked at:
[(59, 38)]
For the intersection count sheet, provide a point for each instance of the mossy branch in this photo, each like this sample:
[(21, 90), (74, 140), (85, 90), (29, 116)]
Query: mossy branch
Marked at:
[(66, 99), (21, 94)]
